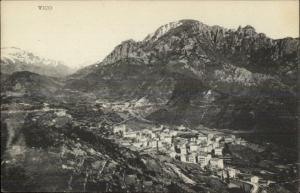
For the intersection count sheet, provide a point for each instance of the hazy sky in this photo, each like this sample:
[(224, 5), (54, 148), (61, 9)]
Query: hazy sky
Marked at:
[(79, 32)]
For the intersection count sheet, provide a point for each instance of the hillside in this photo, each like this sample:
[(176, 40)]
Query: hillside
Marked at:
[(30, 84)]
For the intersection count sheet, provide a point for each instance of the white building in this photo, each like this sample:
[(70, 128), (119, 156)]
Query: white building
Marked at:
[(193, 147), (173, 154), (243, 142), (137, 144), (182, 147), (232, 172), (209, 148), (254, 179), (216, 163), (203, 159), (183, 150), (228, 139), (152, 143), (191, 158), (181, 127), (202, 138), (130, 134), (193, 139), (203, 149), (219, 138), (152, 135), (210, 136), (219, 151), (159, 144), (215, 145), (168, 140), (183, 158)]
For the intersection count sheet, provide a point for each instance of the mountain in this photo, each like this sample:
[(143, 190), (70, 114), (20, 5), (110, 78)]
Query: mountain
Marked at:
[(223, 78), (15, 59), (30, 84)]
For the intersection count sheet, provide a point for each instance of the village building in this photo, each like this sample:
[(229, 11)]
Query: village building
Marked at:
[(163, 135), (209, 148), (168, 140), (193, 147), (219, 151), (210, 136), (183, 150), (218, 138), (243, 142), (181, 145), (203, 149), (228, 139), (183, 158), (202, 138), (181, 128), (129, 134), (159, 144), (125, 143), (153, 135), (232, 172), (254, 179), (209, 142), (191, 158), (215, 145), (173, 154), (152, 143), (203, 159), (216, 163), (193, 139)]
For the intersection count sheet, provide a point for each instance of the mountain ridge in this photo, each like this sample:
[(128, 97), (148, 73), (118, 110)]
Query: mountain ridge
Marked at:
[(252, 76), (15, 59), (126, 48)]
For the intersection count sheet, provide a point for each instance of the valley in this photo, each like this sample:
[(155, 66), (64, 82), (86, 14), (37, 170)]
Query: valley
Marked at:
[(191, 108)]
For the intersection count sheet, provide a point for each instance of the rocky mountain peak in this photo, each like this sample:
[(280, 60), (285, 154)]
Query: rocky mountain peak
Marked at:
[(162, 30), (123, 50)]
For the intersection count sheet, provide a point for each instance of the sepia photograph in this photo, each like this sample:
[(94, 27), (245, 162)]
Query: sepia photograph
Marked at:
[(163, 96)]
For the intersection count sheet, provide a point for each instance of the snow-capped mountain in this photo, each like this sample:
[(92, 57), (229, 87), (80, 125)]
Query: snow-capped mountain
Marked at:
[(15, 59)]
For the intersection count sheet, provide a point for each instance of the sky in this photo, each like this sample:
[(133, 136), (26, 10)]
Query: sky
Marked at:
[(81, 32)]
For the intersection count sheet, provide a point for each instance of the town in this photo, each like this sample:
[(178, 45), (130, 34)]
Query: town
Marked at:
[(208, 149)]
